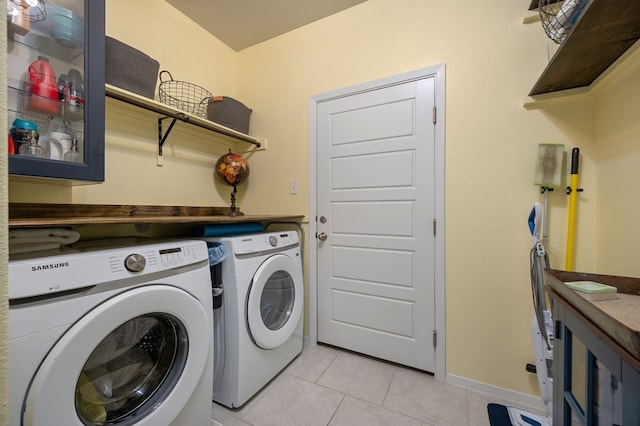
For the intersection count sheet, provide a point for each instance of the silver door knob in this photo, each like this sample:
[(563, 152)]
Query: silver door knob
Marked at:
[(323, 219), (322, 236)]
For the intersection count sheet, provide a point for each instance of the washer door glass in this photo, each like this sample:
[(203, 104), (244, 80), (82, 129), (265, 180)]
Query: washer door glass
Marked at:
[(274, 301), (135, 358), (131, 370)]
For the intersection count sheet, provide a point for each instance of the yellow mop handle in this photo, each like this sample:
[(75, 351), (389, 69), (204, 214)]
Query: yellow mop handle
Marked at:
[(573, 199)]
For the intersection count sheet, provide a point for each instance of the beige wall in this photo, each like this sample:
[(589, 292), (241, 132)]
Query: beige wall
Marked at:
[(492, 61), (618, 171)]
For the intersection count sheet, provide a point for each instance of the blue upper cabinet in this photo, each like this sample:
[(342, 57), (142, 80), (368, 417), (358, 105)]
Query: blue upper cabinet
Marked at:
[(55, 97)]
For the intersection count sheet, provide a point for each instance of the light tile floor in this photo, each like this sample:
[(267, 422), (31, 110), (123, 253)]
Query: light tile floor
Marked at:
[(327, 386)]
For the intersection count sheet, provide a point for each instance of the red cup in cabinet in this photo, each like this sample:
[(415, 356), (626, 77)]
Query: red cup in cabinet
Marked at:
[(44, 87), (12, 146)]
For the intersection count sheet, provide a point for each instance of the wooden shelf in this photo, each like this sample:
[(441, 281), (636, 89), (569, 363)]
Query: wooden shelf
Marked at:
[(166, 111), (35, 215), (604, 32)]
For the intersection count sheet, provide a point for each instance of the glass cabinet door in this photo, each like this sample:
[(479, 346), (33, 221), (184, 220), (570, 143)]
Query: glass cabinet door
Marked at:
[(55, 97)]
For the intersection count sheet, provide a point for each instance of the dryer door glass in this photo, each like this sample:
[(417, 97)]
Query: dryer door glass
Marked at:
[(277, 300), (131, 370), (274, 302)]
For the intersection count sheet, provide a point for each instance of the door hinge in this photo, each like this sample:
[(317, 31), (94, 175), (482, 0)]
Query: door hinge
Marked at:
[(435, 338), (435, 115), (434, 227)]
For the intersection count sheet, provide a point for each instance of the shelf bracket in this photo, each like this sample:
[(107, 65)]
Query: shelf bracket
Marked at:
[(163, 137)]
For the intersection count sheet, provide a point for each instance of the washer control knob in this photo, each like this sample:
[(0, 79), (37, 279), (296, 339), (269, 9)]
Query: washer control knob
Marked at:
[(135, 262), (273, 240)]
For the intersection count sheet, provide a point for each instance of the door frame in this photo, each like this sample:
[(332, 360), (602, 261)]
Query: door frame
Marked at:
[(437, 72)]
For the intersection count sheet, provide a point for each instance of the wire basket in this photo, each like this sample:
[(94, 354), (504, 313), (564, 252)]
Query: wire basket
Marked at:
[(559, 17), (183, 95)]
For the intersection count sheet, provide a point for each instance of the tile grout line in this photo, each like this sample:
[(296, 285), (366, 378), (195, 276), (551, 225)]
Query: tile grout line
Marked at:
[(395, 370), (386, 394), (327, 367), (337, 407)]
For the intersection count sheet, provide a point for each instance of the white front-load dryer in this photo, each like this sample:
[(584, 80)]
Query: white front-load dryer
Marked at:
[(115, 332), (258, 330)]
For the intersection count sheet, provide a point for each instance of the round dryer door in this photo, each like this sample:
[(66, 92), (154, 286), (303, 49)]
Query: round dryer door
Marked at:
[(274, 303), (134, 359)]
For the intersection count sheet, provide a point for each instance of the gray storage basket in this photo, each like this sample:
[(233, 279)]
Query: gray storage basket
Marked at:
[(129, 68), (229, 113)]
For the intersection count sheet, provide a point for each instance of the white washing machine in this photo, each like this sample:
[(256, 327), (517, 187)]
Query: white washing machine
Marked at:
[(258, 330), (115, 332)]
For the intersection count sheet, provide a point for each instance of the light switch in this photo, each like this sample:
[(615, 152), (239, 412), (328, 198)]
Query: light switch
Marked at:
[(293, 187)]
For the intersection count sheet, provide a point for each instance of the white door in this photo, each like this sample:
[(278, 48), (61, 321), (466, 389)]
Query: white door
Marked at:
[(375, 221)]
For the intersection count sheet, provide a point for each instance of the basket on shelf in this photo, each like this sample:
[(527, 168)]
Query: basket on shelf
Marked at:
[(129, 68), (559, 17), (230, 113), (183, 95)]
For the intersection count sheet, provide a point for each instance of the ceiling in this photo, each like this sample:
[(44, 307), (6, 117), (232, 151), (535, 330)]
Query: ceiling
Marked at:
[(244, 23)]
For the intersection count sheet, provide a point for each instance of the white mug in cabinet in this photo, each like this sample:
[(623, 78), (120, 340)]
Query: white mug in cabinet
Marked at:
[(59, 143)]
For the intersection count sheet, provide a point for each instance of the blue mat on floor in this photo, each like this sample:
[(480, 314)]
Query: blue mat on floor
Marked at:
[(498, 415)]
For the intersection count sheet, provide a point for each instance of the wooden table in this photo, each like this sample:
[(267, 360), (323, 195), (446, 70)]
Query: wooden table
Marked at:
[(592, 341)]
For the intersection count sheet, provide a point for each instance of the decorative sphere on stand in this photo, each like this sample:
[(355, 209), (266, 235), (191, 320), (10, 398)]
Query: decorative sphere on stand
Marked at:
[(232, 169)]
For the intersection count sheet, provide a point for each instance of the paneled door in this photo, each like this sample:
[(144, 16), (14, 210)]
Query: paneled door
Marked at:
[(376, 216)]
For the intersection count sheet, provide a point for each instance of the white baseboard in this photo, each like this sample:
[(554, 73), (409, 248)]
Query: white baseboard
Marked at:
[(521, 400)]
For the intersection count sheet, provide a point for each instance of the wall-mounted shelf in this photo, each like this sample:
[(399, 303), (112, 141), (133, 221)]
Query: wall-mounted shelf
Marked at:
[(30, 215), (173, 114), (604, 32)]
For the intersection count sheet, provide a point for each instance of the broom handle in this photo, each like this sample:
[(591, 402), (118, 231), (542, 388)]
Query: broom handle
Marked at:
[(573, 198), (545, 215)]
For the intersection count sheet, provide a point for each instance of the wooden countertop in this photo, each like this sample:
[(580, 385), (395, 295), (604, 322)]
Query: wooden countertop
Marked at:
[(36, 215), (618, 319), (626, 309)]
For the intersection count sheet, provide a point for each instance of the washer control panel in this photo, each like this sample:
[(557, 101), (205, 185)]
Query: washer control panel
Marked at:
[(99, 262), (154, 259), (135, 262), (174, 256), (264, 243)]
